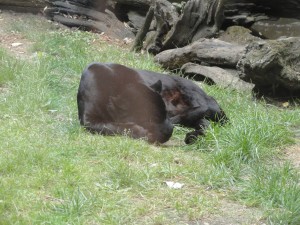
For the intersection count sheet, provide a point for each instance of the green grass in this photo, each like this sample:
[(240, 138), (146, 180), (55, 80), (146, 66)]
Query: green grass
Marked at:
[(54, 172)]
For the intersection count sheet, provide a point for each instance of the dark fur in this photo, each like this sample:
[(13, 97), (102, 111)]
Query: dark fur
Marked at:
[(187, 104), (113, 98)]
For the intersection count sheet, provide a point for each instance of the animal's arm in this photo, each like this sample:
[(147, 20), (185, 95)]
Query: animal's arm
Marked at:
[(190, 117)]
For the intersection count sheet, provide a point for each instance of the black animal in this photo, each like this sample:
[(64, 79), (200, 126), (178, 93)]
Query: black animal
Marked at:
[(113, 98)]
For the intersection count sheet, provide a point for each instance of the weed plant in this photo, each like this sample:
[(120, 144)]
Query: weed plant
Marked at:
[(54, 172)]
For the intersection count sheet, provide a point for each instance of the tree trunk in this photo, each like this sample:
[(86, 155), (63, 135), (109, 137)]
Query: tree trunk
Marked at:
[(199, 19)]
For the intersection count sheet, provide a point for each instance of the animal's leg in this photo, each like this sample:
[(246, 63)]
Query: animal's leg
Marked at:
[(191, 137), (133, 130), (190, 118), (193, 118)]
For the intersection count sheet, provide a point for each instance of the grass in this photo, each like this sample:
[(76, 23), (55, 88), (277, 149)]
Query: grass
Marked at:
[(53, 172)]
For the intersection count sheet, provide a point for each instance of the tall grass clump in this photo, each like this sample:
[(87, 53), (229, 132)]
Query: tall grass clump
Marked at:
[(277, 189), (8, 67), (252, 136)]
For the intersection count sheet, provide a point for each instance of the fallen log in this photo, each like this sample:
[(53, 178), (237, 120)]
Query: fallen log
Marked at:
[(65, 7), (211, 52), (216, 75), (88, 19)]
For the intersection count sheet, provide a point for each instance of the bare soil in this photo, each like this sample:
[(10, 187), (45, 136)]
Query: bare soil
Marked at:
[(12, 41)]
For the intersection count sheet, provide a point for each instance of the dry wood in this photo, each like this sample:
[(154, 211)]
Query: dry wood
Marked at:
[(200, 19), (87, 18), (211, 52), (138, 42)]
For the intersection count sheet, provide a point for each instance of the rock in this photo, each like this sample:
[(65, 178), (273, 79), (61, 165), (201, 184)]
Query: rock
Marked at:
[(273, 29), (212, 52), (216, 75), (238, 35), (275, 8), (272, 64)]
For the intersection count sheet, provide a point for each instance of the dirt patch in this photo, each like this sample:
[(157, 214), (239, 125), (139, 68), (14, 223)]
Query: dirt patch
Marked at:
[(10, 40), (233, 213), (16, 44), (293, 155)]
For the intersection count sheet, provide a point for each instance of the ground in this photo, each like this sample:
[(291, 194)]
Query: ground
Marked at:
[(229, 212)]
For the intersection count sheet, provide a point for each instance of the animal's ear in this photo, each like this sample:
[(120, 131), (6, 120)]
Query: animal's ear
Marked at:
[(157, 86)]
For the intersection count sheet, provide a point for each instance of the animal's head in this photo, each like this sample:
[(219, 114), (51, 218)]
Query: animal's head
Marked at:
[(145, 107)]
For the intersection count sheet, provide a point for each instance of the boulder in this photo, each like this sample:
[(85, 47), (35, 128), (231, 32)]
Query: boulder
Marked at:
[(273, 29), (238, 35), (216, 75), (272, 64)]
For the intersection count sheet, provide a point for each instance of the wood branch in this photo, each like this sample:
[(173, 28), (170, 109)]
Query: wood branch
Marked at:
[(138, 3), (91, 25), (138, 42)]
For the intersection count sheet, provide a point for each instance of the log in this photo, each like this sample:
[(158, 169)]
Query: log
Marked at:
[(216, 75), (88, 19), (200, 19), (141, 3), (136, 3), (211, 52), (65, 7)]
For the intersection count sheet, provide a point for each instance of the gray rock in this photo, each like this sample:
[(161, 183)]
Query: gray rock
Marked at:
[(273, 63), (216, 75), (273, 29), (238, 35)]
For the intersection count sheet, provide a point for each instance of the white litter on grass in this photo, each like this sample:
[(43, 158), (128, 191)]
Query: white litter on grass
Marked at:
[(174, 185), (16, 44)]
